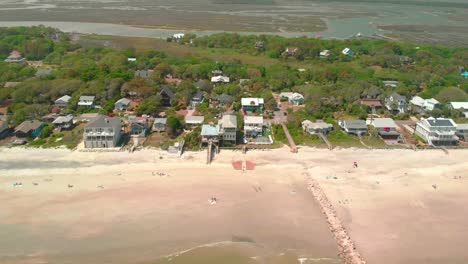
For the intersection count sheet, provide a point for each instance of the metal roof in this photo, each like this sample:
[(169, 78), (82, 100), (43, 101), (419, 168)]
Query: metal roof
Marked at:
[(355, 124), (381, 122), (194, 119), (228, 121)]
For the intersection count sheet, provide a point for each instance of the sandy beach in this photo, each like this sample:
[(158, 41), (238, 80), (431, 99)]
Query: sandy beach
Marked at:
[(399, 206)]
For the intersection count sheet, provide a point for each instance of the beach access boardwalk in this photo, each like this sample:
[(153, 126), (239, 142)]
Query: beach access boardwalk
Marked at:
[(292, 145)]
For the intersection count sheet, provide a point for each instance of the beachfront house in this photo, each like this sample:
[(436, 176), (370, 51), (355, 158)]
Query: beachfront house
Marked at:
[(122, 104), (437, 131), (159, 125), (252, 104), (356, 127), (29, 128), (197, 99), (86, 101), (292, 98), (103, 132), (166, 95), (210, 133), (386, 128), (62, 102), (316, 127), (193, 121), (64, 122), (460, 106), (228, 128), (396, 103), (462, 131), (253, 126), (15, 57), (138, 126), (421, 105)]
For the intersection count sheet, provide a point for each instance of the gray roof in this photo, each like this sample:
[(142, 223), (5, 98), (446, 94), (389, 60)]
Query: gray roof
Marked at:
[(439, 122), (104, 121), (397, 97), (166, 90), (87, 98), (198, 96), (143, 73), (223, 98), (123, 101), (355, 124), (194, 119), (228, 121), (63, 119), (28, 125), (160, 121)]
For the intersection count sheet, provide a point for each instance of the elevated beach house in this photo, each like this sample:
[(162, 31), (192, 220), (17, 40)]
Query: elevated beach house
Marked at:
[(210, 132), (252, 104), (64, 122), (159, 125), (253, 126), (103, 132), (228, 128), (437, 131), (386, 128), (86, 101), (356, 127), (138, 126), (316, 127), (29, 128)]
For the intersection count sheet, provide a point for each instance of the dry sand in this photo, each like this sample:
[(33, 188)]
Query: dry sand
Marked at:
[(388, 204)]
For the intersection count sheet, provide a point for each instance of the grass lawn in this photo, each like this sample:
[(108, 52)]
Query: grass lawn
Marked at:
[(69, 138), (376, 142), (339, 138), (158, 140)]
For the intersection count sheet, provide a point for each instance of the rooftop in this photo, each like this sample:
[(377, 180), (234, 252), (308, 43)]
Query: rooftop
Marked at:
[(381, 122), (228, 121), (194, 119), (355, 124), (104, 121), (251, 101), (87, 98), (439, 122), (63, 119), (210, 130), (64, 98), (459, 105), (28, 125), (123, 101), (253, 119), (160, 121)]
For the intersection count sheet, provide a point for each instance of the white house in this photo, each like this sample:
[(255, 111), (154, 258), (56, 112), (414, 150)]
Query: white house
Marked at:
[(253, 126), (252, 104), (293, 98), (86, 101), (220, 79), (460, 106), (437, 131), (462, 131), (324, 54), (422, 105), (62, 101)]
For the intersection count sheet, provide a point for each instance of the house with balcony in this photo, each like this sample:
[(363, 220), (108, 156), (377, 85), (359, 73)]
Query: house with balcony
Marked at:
[(317, 127), (64, 122), (138, 126), (103, 132), (86, 101), (386, 128), (253, 126), (396, 103), (252, 105), (29, 128), (437, 131), (210, 132), (228, 128), (356, 127)]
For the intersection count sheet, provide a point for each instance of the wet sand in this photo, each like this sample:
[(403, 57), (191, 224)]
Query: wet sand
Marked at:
[(398, 206)]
